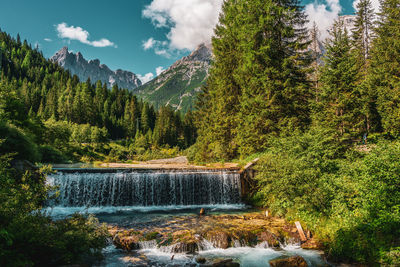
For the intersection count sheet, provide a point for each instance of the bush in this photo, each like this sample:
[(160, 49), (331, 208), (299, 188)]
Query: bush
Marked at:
[(51, 155), (28, 237), (350, 200), (16, 141)]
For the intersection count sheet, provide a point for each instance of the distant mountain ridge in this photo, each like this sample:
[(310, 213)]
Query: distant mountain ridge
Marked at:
[(179, 84), (77, 65)]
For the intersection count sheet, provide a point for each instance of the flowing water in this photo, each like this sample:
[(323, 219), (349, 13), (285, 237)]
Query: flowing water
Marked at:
[(126, 197)]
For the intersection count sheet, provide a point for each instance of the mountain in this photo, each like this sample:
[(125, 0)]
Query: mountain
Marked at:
[(178, 85), (92, 69)]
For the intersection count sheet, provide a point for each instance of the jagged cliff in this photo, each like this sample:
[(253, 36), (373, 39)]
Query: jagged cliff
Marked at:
[(178, 85), (77, 65)]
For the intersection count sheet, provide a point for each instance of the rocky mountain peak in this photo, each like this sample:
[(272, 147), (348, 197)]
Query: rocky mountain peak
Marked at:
[(78, 65)]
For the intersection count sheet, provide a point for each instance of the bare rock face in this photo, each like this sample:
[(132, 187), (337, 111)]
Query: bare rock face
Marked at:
[(178, 85), (79, 66), (294, 261)]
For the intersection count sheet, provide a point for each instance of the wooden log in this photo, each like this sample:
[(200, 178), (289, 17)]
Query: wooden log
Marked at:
[(303, 237)]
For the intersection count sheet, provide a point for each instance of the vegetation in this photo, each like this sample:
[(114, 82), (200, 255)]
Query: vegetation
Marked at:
[(56, 113), (29, 237), (267, 94), (310, 121)]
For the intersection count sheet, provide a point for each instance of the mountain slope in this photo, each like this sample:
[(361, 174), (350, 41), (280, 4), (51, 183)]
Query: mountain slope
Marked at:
[(178, 85), (92, 69)]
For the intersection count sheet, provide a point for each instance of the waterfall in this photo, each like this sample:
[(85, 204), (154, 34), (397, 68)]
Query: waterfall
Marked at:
[(145, 188)]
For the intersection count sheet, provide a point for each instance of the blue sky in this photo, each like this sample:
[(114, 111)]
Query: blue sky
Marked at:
[(135, 35)]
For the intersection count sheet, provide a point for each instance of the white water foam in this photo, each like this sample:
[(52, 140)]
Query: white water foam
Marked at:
[(246, 256), (60, 211)]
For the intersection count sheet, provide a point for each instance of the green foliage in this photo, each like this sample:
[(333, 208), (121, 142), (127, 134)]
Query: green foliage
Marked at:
[(42, 105), (258, 83), (19, 142), (28, 237), (384, 73), (351, 200), (339, 106)]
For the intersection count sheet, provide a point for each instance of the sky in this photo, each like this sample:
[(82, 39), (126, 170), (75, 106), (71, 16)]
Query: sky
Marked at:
[(142, 36)]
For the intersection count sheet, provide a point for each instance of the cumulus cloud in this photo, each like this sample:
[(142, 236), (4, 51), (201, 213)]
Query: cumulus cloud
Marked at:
[(375, 5), (159, 70), (81, 35), (149, 43), (48, 40), (146, 78), (149, 76), (190, 22), (323, 14)]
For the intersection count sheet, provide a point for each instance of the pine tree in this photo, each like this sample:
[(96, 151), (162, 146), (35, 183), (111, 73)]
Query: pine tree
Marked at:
[(361, 35), (220, 112), (316, 57), (385, 65), (273, 73), (340, 98)]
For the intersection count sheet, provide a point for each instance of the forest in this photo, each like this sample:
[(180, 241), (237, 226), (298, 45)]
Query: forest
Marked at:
[(325, 125)]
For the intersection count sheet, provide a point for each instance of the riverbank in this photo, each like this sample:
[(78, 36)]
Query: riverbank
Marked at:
[(180, 162), (194, 235)]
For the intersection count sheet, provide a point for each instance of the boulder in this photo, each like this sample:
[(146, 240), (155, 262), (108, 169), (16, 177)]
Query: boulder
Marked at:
[(270, 238), (184, 247), (312, 244), (126, 242), (294, 261), (219, 239)]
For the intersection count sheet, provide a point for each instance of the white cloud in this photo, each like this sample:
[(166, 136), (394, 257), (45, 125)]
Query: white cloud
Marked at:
[(147, 77), (190, 22), (149, 43), (159, 70), (81, 35), (48, 40), (323, 14), (162, 52), (375, 5)]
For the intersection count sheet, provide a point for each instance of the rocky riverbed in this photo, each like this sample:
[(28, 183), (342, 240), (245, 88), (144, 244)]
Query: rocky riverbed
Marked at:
[(191, 235)]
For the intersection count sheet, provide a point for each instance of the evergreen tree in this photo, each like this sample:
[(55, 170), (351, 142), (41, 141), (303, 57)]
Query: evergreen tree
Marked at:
[(219, 112), (316, 57), (361, 35), (340, 98), (385, 65)]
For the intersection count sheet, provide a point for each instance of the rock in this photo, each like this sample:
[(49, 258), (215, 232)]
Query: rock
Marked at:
[(92, 69), (182, 247), (126, 242), (188, 74), (225, 263), (312, 244), (200, 260), (219, 239), (294, 261), (202, 211), (271, 239)]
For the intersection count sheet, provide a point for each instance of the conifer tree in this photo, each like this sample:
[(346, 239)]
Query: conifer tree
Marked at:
[(221, 109), (273, 72), (340, 98), (362, 36), (385, 65)]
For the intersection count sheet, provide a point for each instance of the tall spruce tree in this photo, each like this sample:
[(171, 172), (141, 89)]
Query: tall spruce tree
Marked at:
[(385, 65), (219, 111), (273, 72), (362, 37), (340, 99)]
